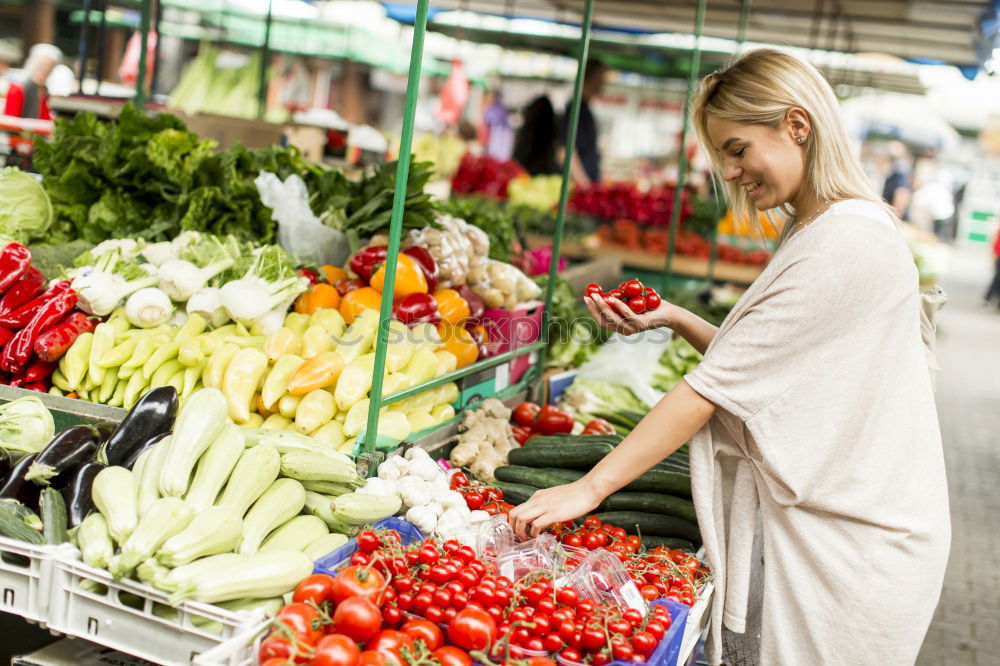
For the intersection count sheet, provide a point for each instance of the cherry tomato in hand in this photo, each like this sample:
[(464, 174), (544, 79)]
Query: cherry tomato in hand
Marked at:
[(632, 288), (653, 301), (637, 304)]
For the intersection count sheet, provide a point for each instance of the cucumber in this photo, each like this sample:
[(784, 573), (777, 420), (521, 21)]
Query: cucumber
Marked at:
[(53, 516), (572, 440), (666, 505), (529, 476), (652, 541), (579, 456), (29, 517), (671, 465), (661, 481), (12, 526), (515, 493), (637, 522)]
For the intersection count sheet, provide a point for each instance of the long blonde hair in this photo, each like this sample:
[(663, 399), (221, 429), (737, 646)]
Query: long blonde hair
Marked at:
[(759, 88)]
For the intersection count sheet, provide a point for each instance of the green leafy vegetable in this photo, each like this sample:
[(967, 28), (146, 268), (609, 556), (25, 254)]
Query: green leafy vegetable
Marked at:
[(26, 213)]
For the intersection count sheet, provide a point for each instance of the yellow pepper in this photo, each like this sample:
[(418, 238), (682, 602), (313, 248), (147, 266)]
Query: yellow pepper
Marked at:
[(275, 422), (297, 322), (315, 341), (195, 325), (276, 382), (163, 374), (316, 410), (118, 397), (177, 381), (288, 404), (59, 379), (107, 388), (144, 349), (281, 342), (254, 421), (332, 434), (120, 353), (330, 319), (124, 373), (243, 375), (192, 375), (190, 352), (215, 369), (167, 352), (74, 362), (136, 383)]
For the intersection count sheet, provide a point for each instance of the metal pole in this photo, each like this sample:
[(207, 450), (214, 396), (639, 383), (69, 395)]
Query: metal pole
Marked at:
[(713, 256), (84, 44), (157, 16), (572, 127), (396, 223), (675, 213), (140, 82), (101, 30), (265, 57)]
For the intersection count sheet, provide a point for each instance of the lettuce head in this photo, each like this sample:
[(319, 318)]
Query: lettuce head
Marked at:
[(26, 213)]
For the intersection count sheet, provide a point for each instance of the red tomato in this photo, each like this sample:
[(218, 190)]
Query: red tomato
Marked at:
[(374, 658), (593, 638), (459, 480), (317, 588), (637, 304), (422, 630), (277, 646), (302, 619), (617, 293), (592, 522), (594, 289), (452, 656), (610, 300), (357, 618), (357, 581), (553, 421), (275, 661), (525, 414), (367, 541), (632, 288), (656, 628), (653, 300), (644, 642), (336, 650), (598, 427), (472, 629), (391, 640), (474, 500)]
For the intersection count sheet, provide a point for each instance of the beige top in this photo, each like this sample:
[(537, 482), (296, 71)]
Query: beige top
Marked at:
[(827, 430)]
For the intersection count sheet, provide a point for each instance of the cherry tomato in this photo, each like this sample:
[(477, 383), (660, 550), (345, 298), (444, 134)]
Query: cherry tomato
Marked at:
[(632, 288), (274, 661), (634, 542), (358, 618), (653, 300), (594, 289), (474, 500), (656, 628), (375, 658), (392, 616), (535, 643), (442, 598), (617, 293), (367, 541), (428, 555), (592, 541), (552, 643), (434, 614), (644, 642), (423, 630), (569, 654), (637, 304), (609, 299), (573, 540), (602, 658), (593, 638), (472, 629), (390, 640), (336, 650), (452, 656), (277, 646), (526, 414), (459, 480), (317, 588), (633, 616), (360, 558), (502, 596), (649, 593), (404, 601), (466, 554), (357, 581), (592, 522), (622, 652)]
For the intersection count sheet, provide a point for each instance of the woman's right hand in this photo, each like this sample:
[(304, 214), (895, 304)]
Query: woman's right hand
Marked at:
[(621, 319), (549, 506)]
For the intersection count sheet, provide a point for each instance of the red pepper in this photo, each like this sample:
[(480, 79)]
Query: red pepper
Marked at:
[(5, 335), (427, 265), (475, 301), (38, 371), (54, 341), (35, 386), (309, 274), (521, 434), (552, 421), (29, 286), (346, 285), (17, 352), (15, 260), (364, 262), (416, 309), (598, 427), (20, 317), (477, 335)]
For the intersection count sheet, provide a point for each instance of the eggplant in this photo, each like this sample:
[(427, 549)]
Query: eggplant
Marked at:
[(79, 501), (16, 487), (104, 430), (130, 463), (5, 465), (152, 416), (67, 451)]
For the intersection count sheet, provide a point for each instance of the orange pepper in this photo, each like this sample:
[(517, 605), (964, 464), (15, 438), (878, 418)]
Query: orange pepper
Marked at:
[(320, 371), (453, 308), (456, 339), (261, 409), (301, 302), (320, 296), (355, 301), (409, 278), (332, 273)]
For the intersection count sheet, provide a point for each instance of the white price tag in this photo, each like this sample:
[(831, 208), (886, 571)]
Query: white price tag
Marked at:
[(633, 598)]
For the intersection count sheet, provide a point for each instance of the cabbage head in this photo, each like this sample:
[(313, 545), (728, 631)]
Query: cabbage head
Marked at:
[(26, 213)]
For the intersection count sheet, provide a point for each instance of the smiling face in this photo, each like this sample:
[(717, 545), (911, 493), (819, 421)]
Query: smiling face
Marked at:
[(769, 164)]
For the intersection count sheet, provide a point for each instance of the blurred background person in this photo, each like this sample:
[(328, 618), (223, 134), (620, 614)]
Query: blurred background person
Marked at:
[(897, 184), (585, 167), (28, 98), (535, 144), (993, 292)]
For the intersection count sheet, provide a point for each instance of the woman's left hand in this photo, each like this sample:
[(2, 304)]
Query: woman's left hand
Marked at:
[(553, 505)]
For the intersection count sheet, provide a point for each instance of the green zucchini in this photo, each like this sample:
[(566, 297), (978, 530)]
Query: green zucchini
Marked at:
[(29, 517), (572, 440), (11, 525), (652, 541), (515, 493), (53, 516), (666, 505), (579, 456), (637, 522)]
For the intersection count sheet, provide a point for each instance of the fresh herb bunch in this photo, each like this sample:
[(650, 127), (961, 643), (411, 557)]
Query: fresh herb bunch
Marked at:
[(149, 177)]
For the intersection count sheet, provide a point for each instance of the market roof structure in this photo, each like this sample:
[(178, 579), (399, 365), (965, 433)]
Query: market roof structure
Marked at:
[(947, 31)]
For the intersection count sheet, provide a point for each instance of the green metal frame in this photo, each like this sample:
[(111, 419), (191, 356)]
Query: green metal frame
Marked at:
[(140, 82)]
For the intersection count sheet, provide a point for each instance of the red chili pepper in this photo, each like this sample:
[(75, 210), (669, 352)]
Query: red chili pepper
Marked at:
[(29, 286), (17, 352), (364, 262), (38, 371), (427, 265), (54, 341), (15, 259), (20, 317), (5, 335)]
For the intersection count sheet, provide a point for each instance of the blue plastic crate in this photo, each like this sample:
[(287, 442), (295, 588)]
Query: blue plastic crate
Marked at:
[(669, 649), (330, 563)]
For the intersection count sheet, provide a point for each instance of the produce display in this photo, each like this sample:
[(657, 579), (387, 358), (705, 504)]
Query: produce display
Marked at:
[(624, 201), (484, 175)]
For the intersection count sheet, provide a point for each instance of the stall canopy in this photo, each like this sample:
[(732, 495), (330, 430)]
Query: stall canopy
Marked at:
[(955, 32)]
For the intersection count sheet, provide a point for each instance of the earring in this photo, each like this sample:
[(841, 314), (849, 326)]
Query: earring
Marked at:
[(801, 139)]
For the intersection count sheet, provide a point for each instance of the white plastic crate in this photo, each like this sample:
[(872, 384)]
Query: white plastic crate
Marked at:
[(88, 603), (25, 578), (697, 621), (240, 650)]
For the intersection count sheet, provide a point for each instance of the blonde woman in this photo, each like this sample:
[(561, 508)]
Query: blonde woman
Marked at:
[(816, 460)]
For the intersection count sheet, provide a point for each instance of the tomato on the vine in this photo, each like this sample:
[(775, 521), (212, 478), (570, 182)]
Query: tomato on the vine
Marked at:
[(357, 581), (423, 630), (591, 522), (376, 658), (472, 629), (302, 619), (317, 588), (458, 480), (336, 650), (357, 618), (449, 655), (526, 414), (474, 500)]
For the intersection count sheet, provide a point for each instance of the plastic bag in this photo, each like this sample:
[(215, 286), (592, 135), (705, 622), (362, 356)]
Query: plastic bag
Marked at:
[(299, 230), (602, 576), (501, 285), (631, 361), (450, 247)]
